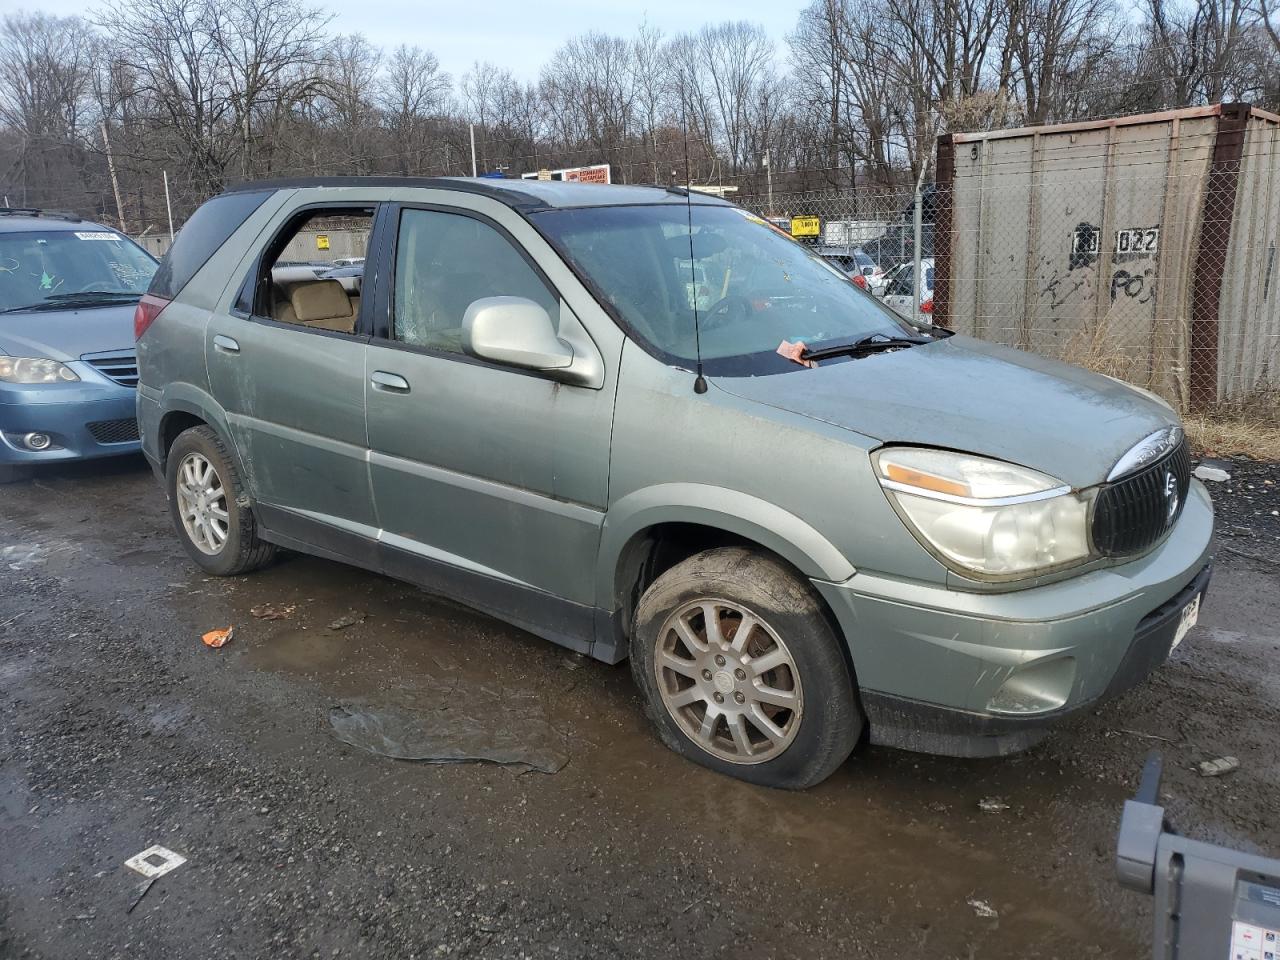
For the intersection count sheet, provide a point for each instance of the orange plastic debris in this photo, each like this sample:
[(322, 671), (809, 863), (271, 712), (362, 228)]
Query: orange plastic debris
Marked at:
[(218, 638)]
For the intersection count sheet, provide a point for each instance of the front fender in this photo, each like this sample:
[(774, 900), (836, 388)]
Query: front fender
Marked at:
[(741, 514)]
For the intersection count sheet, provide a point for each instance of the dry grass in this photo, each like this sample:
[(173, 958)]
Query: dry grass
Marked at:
[(1245, 428), (1240, 431)]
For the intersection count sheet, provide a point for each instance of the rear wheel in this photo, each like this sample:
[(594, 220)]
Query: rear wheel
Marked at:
[(206, 495), (742, 672)]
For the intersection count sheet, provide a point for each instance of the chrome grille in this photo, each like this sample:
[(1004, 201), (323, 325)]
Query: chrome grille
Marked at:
[(122, 367), (1134, 512)]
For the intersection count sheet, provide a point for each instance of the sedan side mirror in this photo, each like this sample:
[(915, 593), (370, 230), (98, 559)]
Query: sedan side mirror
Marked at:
[(514, 331)]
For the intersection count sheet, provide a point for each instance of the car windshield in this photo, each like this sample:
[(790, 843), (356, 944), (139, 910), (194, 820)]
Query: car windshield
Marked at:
[(45, 269), (753, 287)]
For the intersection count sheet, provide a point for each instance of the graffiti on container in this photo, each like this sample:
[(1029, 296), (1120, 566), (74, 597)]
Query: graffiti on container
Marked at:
[(1060, 288), (1086, 240), (1132, 285)]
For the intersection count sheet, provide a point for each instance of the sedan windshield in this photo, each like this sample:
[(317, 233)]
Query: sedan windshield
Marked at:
[(42, 270), (752, 286)]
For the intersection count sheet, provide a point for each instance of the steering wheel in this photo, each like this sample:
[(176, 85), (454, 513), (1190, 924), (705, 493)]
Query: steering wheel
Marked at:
[(729, 308)]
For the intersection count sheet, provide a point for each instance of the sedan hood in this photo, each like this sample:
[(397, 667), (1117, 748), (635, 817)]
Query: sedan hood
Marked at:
[(67, 334), (970, 395)]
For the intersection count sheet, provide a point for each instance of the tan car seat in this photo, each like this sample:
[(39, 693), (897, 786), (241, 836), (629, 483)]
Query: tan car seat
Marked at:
[(323, 304)]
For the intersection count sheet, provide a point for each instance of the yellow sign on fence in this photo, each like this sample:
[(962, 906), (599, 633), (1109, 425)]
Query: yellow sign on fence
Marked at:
[(806, 226), (322, 241)]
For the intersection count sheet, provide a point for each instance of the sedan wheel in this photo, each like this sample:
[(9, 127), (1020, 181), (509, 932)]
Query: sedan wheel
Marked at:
[(202, 504)]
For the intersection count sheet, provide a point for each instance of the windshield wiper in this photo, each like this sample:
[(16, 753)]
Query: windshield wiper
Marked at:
[(94, 295), (872, 343), (59, 301)]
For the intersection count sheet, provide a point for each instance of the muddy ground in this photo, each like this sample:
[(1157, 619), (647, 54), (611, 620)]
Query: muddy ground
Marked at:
[(119, 729)]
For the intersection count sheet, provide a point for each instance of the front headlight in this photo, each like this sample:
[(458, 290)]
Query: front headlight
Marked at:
[(985, 516), (35, 370)]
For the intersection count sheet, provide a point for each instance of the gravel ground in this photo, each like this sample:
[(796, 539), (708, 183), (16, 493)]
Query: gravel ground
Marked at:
[(1248, 505), (121, 730)]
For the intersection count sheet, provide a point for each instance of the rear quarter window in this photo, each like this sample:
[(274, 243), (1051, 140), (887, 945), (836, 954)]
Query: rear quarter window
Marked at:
[(201, 236)]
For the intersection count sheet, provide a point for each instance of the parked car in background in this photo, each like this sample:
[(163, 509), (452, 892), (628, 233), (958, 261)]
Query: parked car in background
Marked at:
[(879, 284), (349, 262), (299, 271), (799, 516), (851, 260), (68, 289), (350, 276), (900, 292)]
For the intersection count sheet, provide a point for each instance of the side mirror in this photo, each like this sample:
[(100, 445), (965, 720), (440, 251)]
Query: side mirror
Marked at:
[(514, 331)]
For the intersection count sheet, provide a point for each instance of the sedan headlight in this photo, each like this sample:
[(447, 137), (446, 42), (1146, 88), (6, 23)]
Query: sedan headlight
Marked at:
[(984, 516), (35, 370)]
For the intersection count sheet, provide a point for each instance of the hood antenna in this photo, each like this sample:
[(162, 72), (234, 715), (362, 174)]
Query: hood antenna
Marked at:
[(699, 382)]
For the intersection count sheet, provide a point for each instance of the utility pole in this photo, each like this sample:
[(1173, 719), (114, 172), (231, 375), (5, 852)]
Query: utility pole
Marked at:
[(769, 176), (115, 182), (473, 149), (168, 206)]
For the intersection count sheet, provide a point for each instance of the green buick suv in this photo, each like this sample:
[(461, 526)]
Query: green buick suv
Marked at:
[(647, 425)]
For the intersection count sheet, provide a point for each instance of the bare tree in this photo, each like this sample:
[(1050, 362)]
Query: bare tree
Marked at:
[(270, 55), (413, 89), (346, 103)]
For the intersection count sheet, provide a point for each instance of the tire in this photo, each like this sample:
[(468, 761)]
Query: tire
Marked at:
[(11, 474), (224, 539), (791, 645)]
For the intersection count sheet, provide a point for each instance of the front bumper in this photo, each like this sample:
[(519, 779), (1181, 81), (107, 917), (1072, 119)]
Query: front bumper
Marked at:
[(83, 420), (932, 662)]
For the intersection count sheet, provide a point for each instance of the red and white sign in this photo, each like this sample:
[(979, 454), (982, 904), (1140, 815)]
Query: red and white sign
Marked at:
[(596, 173)]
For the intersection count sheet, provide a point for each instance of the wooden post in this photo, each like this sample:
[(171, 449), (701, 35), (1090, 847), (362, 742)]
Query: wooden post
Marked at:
[(115, 182)]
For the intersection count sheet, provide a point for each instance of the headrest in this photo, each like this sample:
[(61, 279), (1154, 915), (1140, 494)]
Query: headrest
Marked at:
[(320, 300)]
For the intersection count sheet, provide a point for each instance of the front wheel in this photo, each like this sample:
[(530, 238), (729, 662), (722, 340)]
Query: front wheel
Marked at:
[(206, 497), (742, 672)]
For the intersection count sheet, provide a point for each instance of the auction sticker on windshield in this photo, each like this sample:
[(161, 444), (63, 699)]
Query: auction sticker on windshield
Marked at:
[(96, 235), (1190, 615)]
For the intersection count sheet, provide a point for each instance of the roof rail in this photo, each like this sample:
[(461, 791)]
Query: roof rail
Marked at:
[(37, 212)]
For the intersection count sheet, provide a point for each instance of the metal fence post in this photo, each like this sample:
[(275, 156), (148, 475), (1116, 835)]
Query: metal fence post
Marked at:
[(917, 218)]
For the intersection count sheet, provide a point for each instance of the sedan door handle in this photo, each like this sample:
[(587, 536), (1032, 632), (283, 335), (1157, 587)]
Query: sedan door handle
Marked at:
[(225, 344), (391, 382)]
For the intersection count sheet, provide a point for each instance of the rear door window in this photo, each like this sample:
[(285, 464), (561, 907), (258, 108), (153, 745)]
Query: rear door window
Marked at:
[(298, 280), (200, 237)]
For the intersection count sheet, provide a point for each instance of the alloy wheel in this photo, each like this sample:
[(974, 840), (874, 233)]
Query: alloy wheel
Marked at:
[(727, 678), (202, 504)]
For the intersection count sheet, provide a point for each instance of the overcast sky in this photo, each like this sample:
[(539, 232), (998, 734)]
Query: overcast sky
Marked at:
[(517, 34)]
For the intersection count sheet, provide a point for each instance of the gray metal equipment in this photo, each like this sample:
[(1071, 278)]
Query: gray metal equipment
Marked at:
[(1211, 903)]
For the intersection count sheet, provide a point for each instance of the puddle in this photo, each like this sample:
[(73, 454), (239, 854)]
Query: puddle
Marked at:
[(23, 556), (470, 725)]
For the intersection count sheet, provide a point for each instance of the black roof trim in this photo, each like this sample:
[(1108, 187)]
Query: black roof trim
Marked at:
[(38, 212), (488, 188)]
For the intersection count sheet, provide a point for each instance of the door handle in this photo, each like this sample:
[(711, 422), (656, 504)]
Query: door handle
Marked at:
[(225, 344), (390, 382)]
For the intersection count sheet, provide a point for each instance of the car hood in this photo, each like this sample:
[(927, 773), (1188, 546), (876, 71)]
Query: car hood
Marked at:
[(966, 394), (67, 334)]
